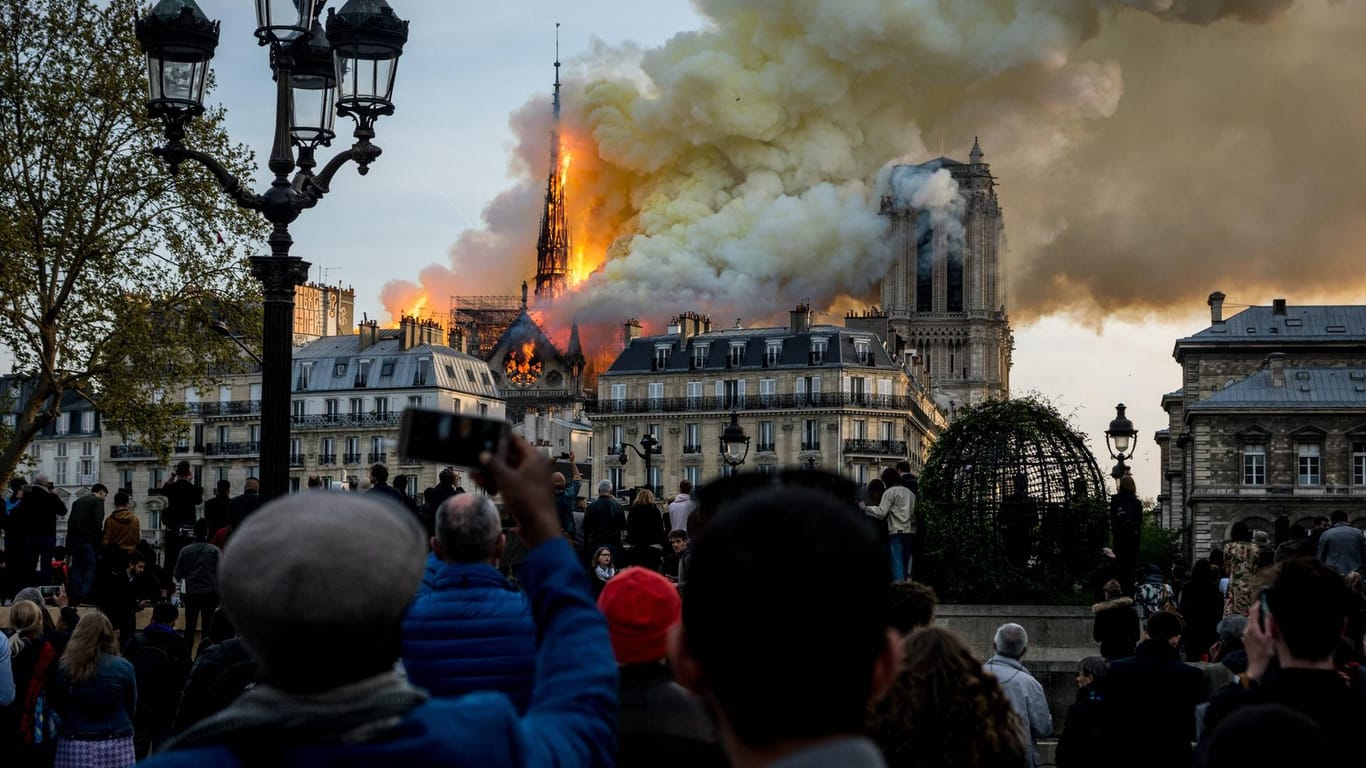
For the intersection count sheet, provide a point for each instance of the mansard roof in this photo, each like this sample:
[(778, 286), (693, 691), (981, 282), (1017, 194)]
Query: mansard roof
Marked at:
[(841, 350), (1316, 388), (1264, 326), (450, 369)]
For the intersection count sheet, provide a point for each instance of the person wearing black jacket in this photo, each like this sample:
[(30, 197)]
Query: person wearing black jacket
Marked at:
[(1202, 606), (33, 530), (1126, 524), (183, 498), (1152, 695), (1116, 623), (645, 531), (603, 522), (216, 508)]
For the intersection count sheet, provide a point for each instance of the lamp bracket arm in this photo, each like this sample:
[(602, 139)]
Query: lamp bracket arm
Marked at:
[(230, 184), (315, 186)]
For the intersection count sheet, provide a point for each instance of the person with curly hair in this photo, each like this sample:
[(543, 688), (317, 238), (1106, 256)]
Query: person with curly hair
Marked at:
[(944, 711)]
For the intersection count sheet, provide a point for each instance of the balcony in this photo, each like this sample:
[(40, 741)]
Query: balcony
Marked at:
[(327, 459), (351, 458), (232, 449), (750, 403), (296, 459), (225, 408), (376, 458), (811, 446), (876, 447), (692, 449), (131, 452), (345, 420)]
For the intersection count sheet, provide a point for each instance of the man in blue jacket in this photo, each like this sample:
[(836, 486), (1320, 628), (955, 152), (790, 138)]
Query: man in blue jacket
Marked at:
[(469, 630), (324, 620)]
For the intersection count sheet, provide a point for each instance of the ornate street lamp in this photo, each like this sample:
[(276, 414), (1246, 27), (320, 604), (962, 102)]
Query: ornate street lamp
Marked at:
[(366, 41), (1119, 438), (734, 443), (649, 447)]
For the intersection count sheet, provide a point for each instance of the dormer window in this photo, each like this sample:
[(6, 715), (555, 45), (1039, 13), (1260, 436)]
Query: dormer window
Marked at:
[(818, 347), (420, 376), (305, 375), (773, 352), (661, 360), (735, 354), (699, 355), (362, 373), (864, 349)]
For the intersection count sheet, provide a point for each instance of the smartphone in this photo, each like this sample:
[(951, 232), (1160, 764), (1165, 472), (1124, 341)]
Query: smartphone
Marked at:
[(50, 593), (1261, 615), (452, 439)]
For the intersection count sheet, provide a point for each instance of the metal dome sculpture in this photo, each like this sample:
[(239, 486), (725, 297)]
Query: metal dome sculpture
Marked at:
[(1013, 507)]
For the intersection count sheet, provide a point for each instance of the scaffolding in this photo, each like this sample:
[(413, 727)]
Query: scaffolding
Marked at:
[(483, 320)]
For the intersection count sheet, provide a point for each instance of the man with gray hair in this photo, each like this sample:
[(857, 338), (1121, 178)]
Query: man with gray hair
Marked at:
[(1024, 692), (469, 629), (603, 522)]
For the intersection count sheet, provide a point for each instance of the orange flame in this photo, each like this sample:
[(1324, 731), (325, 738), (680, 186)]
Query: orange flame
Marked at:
[(525, 371)]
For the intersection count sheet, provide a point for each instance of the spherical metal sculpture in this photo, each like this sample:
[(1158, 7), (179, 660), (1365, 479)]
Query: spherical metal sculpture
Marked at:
[(1013, 506)]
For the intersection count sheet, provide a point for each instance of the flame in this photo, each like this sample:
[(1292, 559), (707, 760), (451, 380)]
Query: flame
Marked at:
[(523, 370)]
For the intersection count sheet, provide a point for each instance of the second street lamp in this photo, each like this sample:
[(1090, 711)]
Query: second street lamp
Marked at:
[(367, 40), (734, 443), (649, 447), (1119, 438)]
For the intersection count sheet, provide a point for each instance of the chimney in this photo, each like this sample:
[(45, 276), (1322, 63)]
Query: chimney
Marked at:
[(1278, 307), (455, 339), (632, 331), (801, 319), (689, 325), (1216, 307), (1276, 361), (368, 332), (706, 323), (407, 333)]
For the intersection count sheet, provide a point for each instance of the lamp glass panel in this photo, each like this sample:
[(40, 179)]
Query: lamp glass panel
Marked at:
[(365, 79), (735, 451), (1121, 443), (284, 20), (310, 113), (176, 81)]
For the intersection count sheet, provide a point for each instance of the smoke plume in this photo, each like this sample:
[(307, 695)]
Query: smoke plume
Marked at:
[(1148, 151)]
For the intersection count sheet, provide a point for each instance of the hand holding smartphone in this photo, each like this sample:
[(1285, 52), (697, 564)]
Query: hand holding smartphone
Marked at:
[(451, 438)]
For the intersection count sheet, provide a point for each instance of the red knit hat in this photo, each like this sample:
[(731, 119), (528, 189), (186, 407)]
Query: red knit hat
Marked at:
[(641, 607)]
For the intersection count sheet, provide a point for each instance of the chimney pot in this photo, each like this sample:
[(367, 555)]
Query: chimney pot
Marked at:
[(1216, 307)]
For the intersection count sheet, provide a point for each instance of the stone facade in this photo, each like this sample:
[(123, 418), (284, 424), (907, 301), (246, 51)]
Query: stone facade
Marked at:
[(820, 396), (946, 291), (1270, 422)]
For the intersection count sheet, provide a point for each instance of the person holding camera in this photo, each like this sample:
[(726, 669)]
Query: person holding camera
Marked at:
[(565, 493)]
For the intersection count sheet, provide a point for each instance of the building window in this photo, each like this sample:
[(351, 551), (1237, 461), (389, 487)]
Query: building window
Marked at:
[(861, 475), (88, 471), (657, 480), (61, 472), (1254, 465), (362, 379), (694, 394), (693, 475), (469, 374), (735, 355), (661, 360), (253, 433), (386, 368), (1310, 464), (731, 392), (811, 435), (860, 429), (414, 401), (420, 376), (766, 437), (222, 474), (296, 452), (483, 410), (333, 408), (329, 453), (615, 474), (357, 406), (699, 355), (808, 390), (773, 352), (616, 440), (884, 387), (864, 349), (692, 439), (87, 448), (293, 485), (339, 370), (222, 433), (858, 388), (300, 408), (768, 391), (655, 391), (818, 347), (1358, 463), (381, 406), (126, 479), (888, 430), (154, 478), (305, 375), (61, 449), (352, 450)]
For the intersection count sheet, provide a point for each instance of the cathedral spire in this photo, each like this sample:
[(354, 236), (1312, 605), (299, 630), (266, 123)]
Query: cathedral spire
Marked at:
[(552, 246), (975, 156)]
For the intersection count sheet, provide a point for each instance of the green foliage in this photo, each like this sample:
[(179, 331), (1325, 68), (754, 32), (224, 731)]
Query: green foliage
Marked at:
[(962, 507), (110, 267), (1157, 544)]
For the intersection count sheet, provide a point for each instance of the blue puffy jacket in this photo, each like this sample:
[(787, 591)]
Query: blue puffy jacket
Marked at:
[(467, 630)]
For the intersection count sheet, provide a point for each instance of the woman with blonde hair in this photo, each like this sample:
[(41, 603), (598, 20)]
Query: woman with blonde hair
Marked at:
[(943, 711), (645, 532), (95, 695), (33, 660)]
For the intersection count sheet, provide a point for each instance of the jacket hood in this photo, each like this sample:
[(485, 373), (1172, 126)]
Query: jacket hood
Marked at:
[(122, 515), (1118, 602), (682, 497)]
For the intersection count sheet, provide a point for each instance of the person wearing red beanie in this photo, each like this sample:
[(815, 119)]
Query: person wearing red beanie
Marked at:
[(661, 723)]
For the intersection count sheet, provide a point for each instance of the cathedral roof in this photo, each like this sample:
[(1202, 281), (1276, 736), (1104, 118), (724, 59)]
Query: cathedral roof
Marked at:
[(525, 329)]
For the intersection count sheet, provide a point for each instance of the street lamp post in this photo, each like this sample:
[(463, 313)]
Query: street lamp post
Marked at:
[(1119, 438), (734, 443), (649, 447), (351, 68)]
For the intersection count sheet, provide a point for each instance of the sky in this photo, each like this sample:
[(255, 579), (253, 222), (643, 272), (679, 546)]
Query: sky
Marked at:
[(1147, 152)]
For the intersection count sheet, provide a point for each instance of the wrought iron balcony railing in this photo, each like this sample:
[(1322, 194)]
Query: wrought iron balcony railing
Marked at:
[(351, 458), (876, 447), (750, 403), (232, 449), (341, 420)]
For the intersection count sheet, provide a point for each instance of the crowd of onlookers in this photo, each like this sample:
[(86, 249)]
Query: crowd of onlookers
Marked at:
[(754, 623)]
